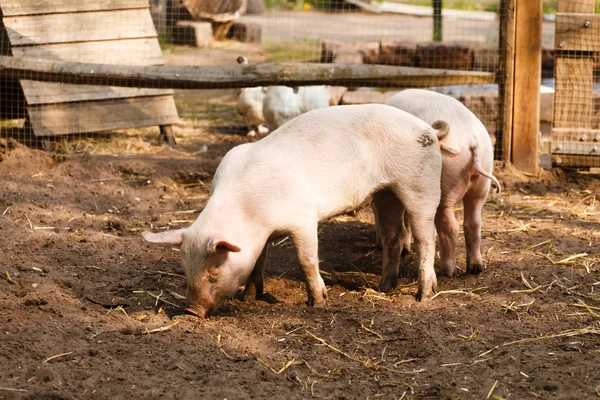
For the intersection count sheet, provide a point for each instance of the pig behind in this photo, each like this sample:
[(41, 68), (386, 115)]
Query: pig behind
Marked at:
[(468, 161), (324, 163)]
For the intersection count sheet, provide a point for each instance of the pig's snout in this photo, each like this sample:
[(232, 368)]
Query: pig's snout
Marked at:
[(200, 301), (195, 311)]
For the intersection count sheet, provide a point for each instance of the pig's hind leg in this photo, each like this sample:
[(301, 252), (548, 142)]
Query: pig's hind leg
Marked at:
[(473, 203), (391, 231), (421, 206), (305, 240)]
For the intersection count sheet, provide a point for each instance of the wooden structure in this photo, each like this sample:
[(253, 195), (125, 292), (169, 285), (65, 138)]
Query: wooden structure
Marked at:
[(104, 32), (575, 137), (236, 76), (519, 80), (221, 13)]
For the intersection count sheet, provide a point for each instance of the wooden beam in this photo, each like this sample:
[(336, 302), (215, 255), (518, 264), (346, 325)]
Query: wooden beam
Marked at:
[(506, 79), (528, 71), (235, 76), (577, 32), (105, 115), (11, 8), (82, 27)]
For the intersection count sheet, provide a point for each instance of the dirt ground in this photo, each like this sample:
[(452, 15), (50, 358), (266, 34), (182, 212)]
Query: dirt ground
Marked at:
[(89, 310)]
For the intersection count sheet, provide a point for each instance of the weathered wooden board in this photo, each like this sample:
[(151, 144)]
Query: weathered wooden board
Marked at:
[(86, 117), (79, 27), (575, 6), (577, 32), (31, 7), (574, 161), (144, 51), (573, 99), (528, 75), (235, 76), (506, 79), (50, 93)]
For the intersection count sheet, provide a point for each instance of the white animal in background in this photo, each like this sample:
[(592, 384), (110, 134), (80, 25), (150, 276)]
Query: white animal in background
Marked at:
[(282, 103), (321, 164), (468, 161), (250, 106), (276, 105)]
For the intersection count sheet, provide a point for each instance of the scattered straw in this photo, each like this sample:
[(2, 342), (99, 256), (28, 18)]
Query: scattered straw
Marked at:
[(567, 333), (157, 298), (491, 392), (370, 330), (472, 336), (56, 356), (5, 211), (566, 261), (8, 279), (589, 308), (539, 244), (168, 273), (372, 293), (161, 329), (12, 390), (459, 291), (451, 364), (364, 363), (487, 352)]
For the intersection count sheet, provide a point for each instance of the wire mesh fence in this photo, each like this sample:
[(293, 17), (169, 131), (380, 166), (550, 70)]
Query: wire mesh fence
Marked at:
[(575, 139), (448, 35)]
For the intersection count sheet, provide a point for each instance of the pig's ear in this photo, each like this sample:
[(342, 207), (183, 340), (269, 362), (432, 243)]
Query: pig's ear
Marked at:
[(218, 243), (167, 237)]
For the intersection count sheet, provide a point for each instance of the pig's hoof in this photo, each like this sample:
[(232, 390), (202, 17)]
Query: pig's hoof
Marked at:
[(475, 268), (387, 285), (195, 312), (447, 271), (318, 300), (426, 291), (241, 293), (267, 298)]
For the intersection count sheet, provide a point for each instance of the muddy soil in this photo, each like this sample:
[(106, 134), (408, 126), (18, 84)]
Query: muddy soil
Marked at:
[(89, 310)]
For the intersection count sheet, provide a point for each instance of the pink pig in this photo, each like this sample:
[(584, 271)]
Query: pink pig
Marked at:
[(321, 164), (468, 161)]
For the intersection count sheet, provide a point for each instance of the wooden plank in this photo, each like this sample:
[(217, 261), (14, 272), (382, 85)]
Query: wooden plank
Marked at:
[(563, 139), (574, 161), (79, 27), (577, 32), (573, 98), (528, 71), (130, 52), (49, 92), (235, 76), (30, 7), (506, 77), (98, 116), (575, 6)]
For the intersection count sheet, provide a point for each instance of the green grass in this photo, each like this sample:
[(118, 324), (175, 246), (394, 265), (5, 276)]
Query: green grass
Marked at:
[(301, 51)]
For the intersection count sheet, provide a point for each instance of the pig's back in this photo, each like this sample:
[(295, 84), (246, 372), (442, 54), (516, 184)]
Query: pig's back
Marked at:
[(345, 152)]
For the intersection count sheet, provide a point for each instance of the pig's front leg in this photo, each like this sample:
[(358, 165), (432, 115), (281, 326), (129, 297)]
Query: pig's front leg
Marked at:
[(305, 241), (257, 280)]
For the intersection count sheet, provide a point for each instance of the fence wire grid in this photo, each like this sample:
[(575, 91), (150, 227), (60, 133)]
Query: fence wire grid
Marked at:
[(458, 35)]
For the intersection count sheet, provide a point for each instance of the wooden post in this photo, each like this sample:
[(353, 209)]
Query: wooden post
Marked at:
[(506, 80), (526, 91), (437, 20)]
